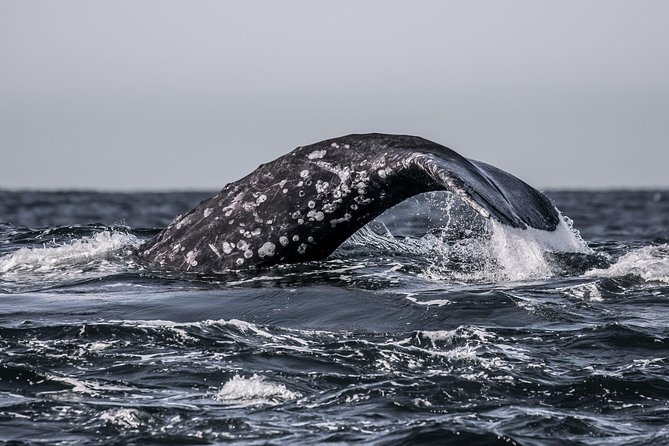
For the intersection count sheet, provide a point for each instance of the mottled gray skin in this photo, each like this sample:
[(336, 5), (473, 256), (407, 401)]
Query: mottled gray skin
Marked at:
[(303, 205)]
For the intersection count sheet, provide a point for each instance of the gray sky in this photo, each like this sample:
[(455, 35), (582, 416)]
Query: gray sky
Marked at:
[(120, 95)]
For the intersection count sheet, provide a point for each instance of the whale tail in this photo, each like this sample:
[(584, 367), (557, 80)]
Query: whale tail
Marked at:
[(303, 205), (492, 192)]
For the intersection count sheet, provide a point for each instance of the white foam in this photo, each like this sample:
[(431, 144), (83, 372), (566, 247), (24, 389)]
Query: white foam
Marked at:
[(77, 252), (254, 390), (437, 302), (586, 291), (500, 254), (462, 333), (519, 254), (243, 326), (650, 263), (124, 418)]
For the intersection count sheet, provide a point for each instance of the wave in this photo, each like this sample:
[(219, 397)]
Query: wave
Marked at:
[(650, 263), (255, 390), (99, 255), (100, 247)]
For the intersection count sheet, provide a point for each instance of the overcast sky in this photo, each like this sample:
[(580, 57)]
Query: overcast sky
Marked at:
[(126, 95)]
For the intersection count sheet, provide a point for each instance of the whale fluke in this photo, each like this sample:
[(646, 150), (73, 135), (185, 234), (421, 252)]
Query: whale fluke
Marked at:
[(303, 205)]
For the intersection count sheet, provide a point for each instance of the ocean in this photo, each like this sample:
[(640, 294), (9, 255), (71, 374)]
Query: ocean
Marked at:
[(429, 326)]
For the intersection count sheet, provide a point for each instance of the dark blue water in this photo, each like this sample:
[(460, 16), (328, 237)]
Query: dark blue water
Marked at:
[(432, 326)]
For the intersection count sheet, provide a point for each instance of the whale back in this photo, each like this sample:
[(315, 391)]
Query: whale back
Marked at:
[(303, 205)]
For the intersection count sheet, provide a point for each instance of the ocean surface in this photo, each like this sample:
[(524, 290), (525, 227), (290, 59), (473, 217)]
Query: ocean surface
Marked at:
[(429, 326)]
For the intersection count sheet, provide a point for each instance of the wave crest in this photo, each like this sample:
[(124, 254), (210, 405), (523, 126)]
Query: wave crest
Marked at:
[(650, 263)]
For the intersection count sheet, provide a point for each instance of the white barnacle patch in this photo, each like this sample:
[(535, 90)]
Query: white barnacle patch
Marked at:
[(232, 206), (283, 240), (334, 145), (207, 212), (285, 191), (227, 247), (322, 186), (267, 249), (261, 199), (296, 238), (311, 204), (239, 261), (304, 173), (300, 221), (302, 248), (336, 221), (248, 254), (317, 154), (185, 221), (315, 215), (382, 173), (190, 258), (328, 208), (242, 245), (310, 239), (346, 146), (295, 215)]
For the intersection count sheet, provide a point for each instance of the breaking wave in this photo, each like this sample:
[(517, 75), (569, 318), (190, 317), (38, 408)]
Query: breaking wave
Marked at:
[(649, 263)]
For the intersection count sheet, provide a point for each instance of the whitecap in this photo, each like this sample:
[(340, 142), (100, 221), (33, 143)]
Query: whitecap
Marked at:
[(650, 263), (254, 391)]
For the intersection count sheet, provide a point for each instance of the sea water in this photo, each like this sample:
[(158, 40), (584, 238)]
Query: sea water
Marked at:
[(430, 325)]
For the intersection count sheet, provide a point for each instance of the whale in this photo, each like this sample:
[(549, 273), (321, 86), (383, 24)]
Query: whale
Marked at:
[(303, 205)]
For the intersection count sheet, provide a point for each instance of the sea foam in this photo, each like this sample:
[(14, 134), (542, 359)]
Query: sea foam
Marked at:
[(254, 391), (650, 263), (77, 252)]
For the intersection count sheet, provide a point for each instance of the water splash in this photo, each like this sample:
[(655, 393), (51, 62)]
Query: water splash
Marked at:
[(101, 246), (650, 263), (520, 254), (101, 254), (495, 253)]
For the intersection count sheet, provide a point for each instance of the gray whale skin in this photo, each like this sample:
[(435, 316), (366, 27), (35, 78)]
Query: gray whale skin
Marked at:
[(303, 205)]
